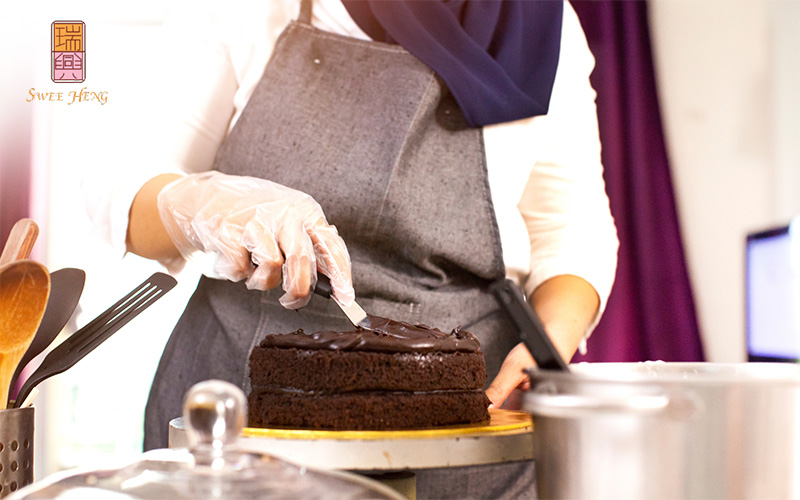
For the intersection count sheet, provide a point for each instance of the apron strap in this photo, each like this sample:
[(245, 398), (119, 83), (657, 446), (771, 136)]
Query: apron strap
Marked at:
[(305, 12)]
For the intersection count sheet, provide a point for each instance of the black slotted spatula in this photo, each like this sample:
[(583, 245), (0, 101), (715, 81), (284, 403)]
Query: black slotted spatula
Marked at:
[(85, 340)]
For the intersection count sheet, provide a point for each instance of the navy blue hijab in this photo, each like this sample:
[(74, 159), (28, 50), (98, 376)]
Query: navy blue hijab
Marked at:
[(498, 58)]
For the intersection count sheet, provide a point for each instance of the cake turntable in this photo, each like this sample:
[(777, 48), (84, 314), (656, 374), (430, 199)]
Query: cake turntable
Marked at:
[(507, 437)]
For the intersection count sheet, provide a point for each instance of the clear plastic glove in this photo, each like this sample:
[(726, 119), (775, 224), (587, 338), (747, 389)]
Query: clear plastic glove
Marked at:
[(256, 230)]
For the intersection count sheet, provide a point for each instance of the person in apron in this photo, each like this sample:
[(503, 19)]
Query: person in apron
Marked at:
[(372, 134)]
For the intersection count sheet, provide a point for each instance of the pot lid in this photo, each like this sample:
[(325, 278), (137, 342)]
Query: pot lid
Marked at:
[(212, 467)]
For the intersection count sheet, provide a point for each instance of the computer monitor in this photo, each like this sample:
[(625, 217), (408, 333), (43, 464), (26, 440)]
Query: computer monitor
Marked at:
[(772, 294)]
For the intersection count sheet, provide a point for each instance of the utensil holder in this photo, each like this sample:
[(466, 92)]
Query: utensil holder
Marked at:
[(16, 449)]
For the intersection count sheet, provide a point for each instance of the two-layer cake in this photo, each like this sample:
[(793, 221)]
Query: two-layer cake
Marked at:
[(392, 376)]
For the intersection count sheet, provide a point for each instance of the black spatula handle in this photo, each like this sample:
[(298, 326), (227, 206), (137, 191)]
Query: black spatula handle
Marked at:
[(323, 286), (530, 328)]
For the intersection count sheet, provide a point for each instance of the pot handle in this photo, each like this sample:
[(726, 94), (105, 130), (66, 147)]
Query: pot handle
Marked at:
[(572, 406)]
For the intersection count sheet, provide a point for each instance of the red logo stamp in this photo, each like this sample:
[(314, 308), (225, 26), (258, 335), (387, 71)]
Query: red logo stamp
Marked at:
[(68, 49)]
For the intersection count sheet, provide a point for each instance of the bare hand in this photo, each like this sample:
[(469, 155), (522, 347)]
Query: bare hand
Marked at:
[(506, 386)]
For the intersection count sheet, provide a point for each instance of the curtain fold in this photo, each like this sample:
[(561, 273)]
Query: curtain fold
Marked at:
[(651, 313)]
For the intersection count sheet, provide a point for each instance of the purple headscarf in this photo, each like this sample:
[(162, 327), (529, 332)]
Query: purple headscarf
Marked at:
[(498, 58)]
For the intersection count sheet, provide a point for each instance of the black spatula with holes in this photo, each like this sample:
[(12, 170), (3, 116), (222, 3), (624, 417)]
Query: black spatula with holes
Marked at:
[(85, 340)]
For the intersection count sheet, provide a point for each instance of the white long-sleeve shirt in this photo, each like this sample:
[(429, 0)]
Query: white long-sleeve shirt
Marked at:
[(545, 173)]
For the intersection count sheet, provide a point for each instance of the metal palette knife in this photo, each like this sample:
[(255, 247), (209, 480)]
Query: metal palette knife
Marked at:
[(357, 316)]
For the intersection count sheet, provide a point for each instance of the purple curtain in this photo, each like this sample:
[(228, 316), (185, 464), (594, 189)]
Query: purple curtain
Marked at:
[(651, 313)]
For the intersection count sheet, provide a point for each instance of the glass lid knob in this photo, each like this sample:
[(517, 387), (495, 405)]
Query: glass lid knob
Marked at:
[(214, 414)]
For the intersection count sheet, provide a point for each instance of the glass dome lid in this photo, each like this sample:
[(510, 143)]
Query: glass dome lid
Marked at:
[(212, 467)]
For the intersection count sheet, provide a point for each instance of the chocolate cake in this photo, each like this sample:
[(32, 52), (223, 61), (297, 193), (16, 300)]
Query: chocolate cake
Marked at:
[(393, 375)]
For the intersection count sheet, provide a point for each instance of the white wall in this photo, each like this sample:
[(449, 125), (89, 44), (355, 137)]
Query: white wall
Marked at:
[(728, 74), (91, 414)]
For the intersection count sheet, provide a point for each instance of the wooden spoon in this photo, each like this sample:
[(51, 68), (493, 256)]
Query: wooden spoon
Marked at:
[(66, 286), (20, 241), (24, 289)]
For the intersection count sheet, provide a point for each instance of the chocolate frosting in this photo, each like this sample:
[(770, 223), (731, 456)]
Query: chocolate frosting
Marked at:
[(384, 335)]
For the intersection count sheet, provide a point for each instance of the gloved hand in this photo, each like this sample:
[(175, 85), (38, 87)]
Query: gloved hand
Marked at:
[(259, 231)]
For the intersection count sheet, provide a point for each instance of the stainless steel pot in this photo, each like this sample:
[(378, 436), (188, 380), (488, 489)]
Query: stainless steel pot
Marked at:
[(667, 430)]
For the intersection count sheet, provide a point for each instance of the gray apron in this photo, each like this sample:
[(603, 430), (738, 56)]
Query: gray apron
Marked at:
[(375, 137)]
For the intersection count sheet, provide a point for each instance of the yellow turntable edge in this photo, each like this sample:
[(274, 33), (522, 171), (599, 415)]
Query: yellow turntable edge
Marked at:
[(500, 422)]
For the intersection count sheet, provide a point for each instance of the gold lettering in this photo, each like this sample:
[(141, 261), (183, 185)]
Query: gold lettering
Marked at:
[(83, 95)]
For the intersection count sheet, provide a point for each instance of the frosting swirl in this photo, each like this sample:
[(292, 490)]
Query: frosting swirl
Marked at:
[(384, 335)]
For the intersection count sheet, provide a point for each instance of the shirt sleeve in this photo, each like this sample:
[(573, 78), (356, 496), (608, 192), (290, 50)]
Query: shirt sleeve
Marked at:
[(181, 122), (213, 58), (564, 204)]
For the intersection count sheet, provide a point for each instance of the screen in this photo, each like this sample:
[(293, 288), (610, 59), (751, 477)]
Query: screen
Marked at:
[(772, 295)]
